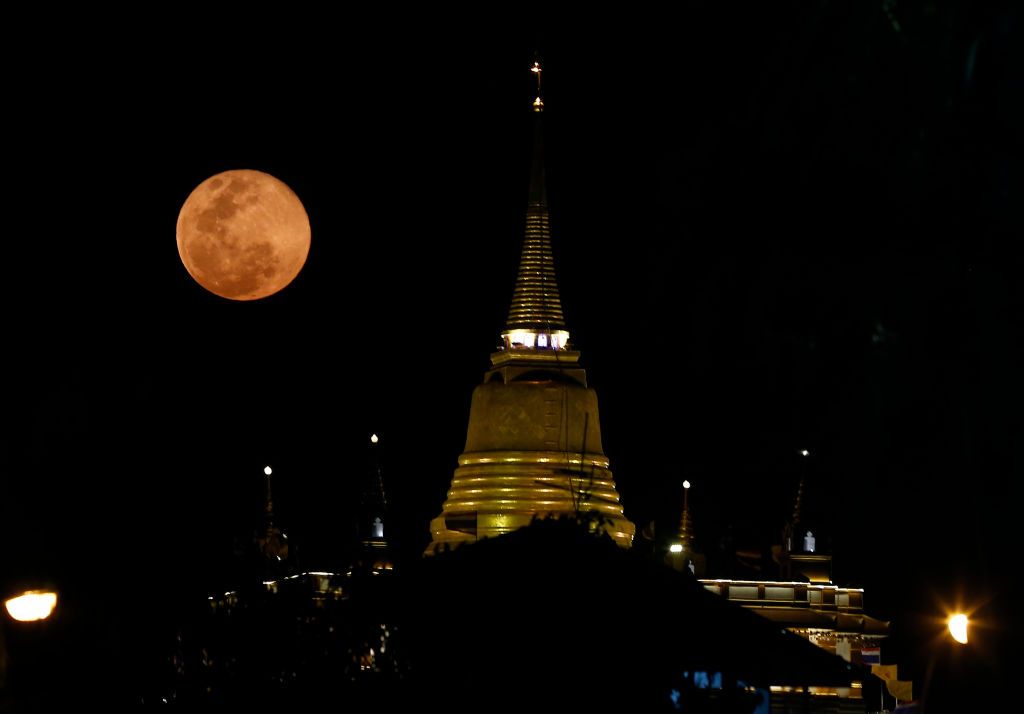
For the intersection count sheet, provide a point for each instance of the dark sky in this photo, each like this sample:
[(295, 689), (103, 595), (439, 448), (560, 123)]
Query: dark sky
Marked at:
[(797, 228)]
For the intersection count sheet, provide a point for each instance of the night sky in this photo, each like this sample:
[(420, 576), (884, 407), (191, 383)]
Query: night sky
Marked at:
[(797, 228)]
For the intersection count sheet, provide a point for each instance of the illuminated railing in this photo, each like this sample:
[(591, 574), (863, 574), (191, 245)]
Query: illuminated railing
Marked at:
[(789, 594), (531, 339)]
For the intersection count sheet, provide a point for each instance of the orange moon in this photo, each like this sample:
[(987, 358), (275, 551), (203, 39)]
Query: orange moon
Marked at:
[(243, 234)]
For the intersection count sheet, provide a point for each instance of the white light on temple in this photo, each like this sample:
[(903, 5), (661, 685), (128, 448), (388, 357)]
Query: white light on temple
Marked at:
[(809, 542), (530, 339)]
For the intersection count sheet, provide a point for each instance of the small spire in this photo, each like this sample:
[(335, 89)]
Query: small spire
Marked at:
[(790, 535), (268, 504), (374, 440), (272, 541), (804, 455), (796, 506), (686, 521), (373, 499)]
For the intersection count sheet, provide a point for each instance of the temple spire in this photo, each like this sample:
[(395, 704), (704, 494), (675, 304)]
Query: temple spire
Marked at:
[(268, 497), (801, 558), (533, 444), (790, 531), (795, 520), (686, 520), (535, 319), (271, 541), (374, 549), (682, 554), (373, 500)]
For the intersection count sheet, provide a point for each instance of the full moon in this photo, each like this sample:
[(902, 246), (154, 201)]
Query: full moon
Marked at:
[(243, 234)]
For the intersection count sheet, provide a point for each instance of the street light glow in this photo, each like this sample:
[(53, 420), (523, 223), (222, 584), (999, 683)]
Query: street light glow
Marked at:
[(373, 439), (267, 470), (32, 605), (805, 452), (675, 548), (686, 484), (958, 627)]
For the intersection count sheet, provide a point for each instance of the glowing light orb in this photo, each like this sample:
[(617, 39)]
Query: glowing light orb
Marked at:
[(675, 548), (32, 605), (267, 470), (958, 627)]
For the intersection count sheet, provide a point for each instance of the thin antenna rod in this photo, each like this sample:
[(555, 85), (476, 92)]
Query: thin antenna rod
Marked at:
[(538, 103)]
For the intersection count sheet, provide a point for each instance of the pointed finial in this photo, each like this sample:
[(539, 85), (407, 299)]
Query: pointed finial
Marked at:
[(538, 103), (686, 521), (800, 489), (272, 542), (535, 320), (796, 506), (268, 506)]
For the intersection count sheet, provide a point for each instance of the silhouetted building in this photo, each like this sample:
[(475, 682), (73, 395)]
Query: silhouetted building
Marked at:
[(804, 600), (284, 635), (553, 617)]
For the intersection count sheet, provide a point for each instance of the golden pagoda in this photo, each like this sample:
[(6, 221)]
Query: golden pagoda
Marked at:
[(533, 447)]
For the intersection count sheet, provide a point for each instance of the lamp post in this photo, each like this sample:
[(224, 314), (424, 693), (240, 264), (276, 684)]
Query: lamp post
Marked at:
[(957, 625), (24, 644), (31, 605)]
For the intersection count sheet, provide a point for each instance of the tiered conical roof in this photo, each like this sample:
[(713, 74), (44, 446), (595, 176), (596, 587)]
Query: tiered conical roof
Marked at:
[(535, 301)]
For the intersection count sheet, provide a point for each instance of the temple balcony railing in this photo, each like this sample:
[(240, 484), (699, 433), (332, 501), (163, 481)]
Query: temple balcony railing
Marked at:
[(766, 593)]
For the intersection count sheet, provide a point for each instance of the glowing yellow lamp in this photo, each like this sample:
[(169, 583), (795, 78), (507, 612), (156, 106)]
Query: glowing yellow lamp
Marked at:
[(32, 605), (958, 627), (675, 548)]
